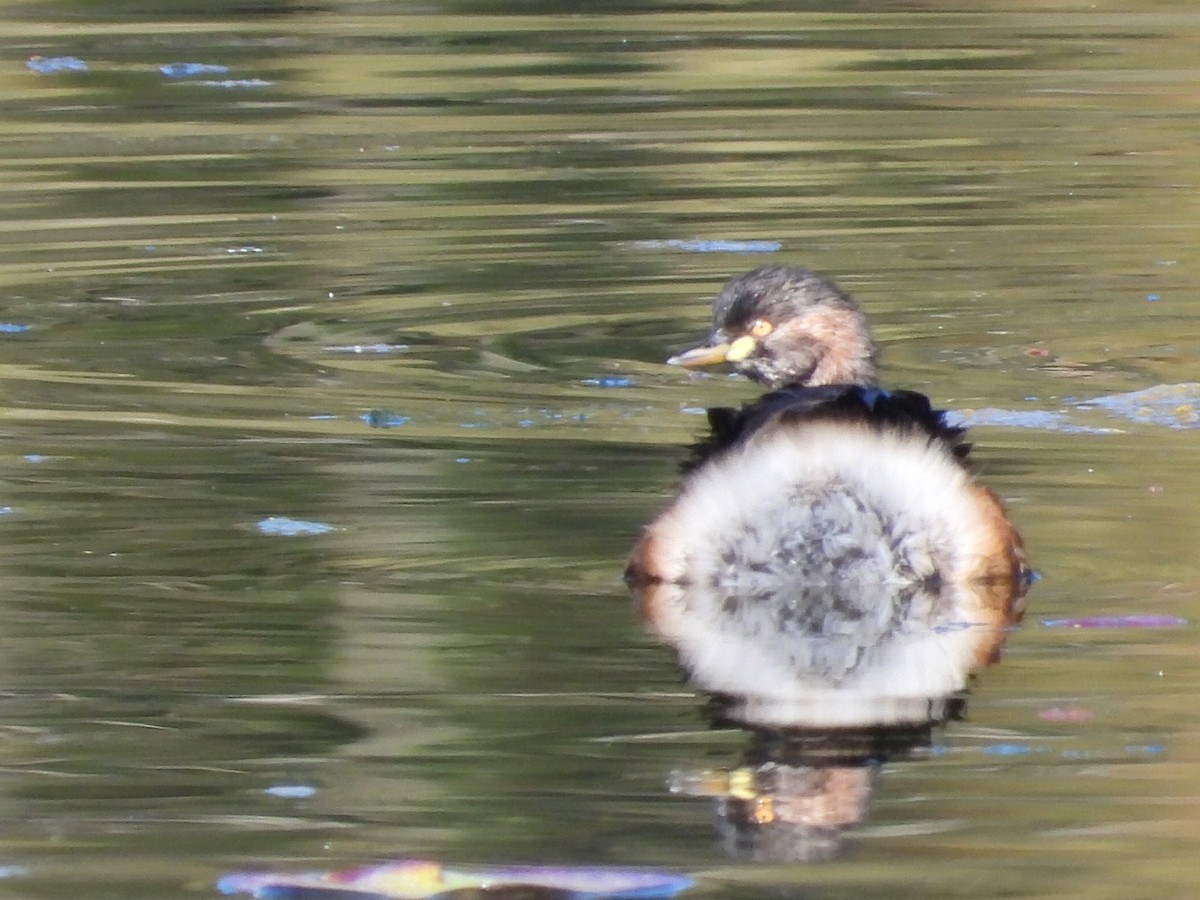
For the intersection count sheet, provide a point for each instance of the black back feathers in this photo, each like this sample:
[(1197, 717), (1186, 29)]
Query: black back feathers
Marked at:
[(906, 411)]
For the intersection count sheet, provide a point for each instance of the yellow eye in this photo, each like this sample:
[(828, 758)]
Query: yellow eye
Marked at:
[(760, 328)]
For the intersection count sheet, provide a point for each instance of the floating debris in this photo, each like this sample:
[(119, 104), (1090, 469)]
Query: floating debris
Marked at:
[(54, 65), (1172, 405), (700, 246), (282, 526), (416, 879), (366, 348), (191, 70), (1145, 749), (13, 328), (610, 381), (1133, 620), (1031, 418), (235, 83), (291, 791), (1010, 749)]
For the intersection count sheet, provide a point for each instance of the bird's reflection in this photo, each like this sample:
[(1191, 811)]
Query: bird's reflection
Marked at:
[(820, 730)]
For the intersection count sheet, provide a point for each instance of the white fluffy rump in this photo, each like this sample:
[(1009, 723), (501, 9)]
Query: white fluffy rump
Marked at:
[(825, 557)]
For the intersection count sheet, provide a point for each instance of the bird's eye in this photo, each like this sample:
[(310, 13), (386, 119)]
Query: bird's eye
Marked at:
[(760, 328)]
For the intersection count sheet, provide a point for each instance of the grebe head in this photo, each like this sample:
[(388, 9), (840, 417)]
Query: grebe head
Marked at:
[(781, 325)]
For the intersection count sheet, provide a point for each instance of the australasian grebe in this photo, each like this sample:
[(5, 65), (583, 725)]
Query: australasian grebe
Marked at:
[(818, 524)]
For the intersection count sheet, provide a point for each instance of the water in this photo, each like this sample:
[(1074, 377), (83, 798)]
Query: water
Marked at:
[(471, 224)]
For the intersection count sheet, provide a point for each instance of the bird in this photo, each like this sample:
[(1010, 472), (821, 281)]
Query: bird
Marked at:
[(828, 536)]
